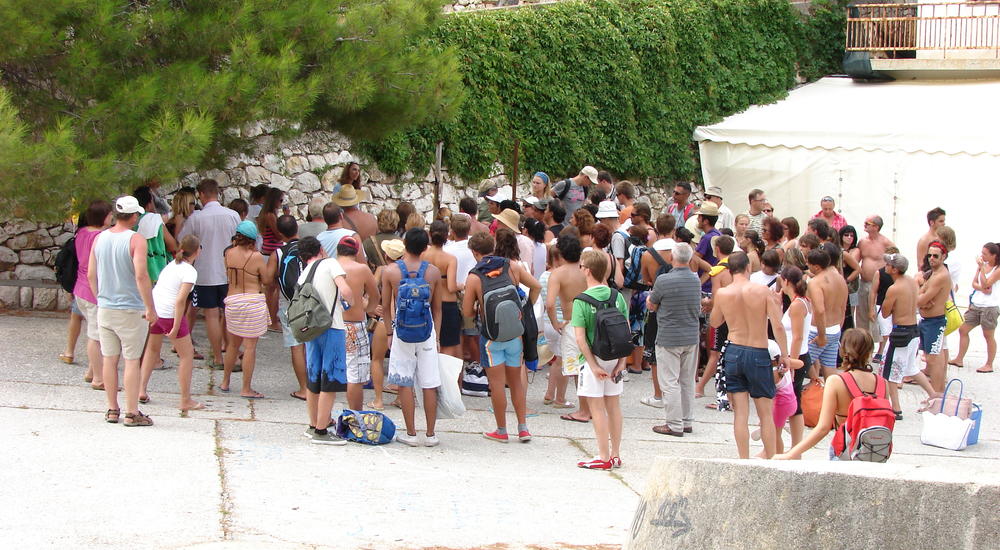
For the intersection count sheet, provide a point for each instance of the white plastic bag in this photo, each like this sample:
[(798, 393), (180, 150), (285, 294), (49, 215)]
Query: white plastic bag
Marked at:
[(450, 404)]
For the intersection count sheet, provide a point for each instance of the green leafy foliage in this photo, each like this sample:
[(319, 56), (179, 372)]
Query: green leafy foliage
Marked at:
[(103, 94), (620, 84)]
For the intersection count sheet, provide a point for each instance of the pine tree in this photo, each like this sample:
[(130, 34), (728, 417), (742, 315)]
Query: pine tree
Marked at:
[(97, 96)]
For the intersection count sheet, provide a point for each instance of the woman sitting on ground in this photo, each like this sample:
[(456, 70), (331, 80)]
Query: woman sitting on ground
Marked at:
[(856, 348)]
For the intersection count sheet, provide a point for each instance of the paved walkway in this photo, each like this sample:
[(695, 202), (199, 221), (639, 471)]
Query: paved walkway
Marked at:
[(240, 472)]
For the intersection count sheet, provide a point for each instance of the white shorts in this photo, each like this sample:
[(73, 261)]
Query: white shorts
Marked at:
[(552, 337), (572, 359), (588, 385), (904, 362), (884, 324), (410, 363), (359, 354)]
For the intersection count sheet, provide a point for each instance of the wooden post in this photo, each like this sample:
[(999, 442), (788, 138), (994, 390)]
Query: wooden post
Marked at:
[(514, 176), (437, 178)]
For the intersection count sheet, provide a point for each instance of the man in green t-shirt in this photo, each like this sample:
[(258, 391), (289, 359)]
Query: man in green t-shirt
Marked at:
[(600, 381)]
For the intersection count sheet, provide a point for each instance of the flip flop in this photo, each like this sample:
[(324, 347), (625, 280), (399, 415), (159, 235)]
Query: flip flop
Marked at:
[(564, 405), (198, 356), (68, 359), (297, 397), (256, 395), (955, 364), (144, 400), (569, 418), (547, 401), (980, 370), (371, 406), (223, 390)]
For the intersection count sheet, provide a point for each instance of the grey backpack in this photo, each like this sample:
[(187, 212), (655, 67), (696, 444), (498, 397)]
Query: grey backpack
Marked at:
[(308, 317), (501, 304)]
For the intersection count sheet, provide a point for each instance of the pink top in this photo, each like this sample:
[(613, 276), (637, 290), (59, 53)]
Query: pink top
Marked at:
[(85, 238), (838, 222)]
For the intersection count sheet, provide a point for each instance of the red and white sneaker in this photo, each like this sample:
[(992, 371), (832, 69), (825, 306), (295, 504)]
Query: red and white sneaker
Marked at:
[(616, 462), (594, 464), (524, 436), (494, 436)]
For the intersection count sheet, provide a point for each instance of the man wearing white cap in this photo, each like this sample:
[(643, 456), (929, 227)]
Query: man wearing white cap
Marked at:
[(117, 271), (573, 191), (607, 215), (727, 220)]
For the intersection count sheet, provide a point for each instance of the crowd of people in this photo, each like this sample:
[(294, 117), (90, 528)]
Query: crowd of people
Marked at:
[(744, 301)]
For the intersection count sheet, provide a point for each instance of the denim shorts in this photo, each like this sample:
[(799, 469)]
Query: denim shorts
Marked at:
[(507, 353), (749, 370)]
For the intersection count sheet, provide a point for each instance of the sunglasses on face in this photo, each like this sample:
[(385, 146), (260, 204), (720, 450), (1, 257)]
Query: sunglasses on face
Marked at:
[(933, 255), (768, 211)]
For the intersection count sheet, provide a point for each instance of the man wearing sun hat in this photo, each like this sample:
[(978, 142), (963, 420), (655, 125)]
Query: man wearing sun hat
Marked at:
[(708, 216), (215, 225), (573, 191), (363, 223), (713, 193), (117, 272)]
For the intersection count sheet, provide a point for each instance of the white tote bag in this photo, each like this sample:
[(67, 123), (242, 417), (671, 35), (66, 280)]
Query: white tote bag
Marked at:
[(947, 430)]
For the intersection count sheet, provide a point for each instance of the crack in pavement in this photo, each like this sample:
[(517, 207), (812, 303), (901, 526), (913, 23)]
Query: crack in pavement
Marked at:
[(225, 500)]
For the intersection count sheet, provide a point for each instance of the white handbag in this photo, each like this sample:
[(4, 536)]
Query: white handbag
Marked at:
[(948, 431)]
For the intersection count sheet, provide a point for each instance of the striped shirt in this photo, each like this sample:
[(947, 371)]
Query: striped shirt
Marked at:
[(678, 295)]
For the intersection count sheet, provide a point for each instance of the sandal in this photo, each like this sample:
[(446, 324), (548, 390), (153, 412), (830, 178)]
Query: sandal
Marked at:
[(984, 370), (137, 419), (198, 356), (144, 400), (112, 416), (563, 405), (371, 406), (68, 359)]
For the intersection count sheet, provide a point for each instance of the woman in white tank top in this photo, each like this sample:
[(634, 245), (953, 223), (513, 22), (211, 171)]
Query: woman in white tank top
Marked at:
[(796, 322), (983, 307)]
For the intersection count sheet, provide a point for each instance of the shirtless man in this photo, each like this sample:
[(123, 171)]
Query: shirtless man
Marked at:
[(747, 308), (359, 277), (566, 283), (935, 220), (934, 291), (828, 294), (873, 248), (449, 324), (901, 356)]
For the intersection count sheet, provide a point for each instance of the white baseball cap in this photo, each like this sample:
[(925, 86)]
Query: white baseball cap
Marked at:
[(128, 205), (590, 172)]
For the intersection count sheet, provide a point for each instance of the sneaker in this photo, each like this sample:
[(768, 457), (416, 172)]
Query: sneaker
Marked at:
[(594, 464), (616, 462), (494, 436), (524, 436), (899, 415), (652, 402), (310, 431), (407, 439), (329, 438), (431, 441), (137, 419)]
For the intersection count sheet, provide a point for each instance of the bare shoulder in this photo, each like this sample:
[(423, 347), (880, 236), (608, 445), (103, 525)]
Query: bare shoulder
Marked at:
[(432, 273)]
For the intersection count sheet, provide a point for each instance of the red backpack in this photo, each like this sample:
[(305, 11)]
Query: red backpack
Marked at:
[(866, 434)]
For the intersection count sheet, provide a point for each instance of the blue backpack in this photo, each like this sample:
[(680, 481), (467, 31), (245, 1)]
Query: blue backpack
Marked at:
[(368, 427), (633, 265), (413, 305)]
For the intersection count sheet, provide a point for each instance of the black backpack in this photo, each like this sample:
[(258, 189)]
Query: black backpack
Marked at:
[(501, 306), (289, 268), (67, 265), (612, 332)]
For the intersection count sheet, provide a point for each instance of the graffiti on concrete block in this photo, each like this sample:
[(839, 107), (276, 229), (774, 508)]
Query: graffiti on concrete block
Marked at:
[(672, 514)]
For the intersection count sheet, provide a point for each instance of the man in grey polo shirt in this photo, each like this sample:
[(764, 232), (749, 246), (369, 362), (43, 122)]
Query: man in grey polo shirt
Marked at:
[(676, 299)]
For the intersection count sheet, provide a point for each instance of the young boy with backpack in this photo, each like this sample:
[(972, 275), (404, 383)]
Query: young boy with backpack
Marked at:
[(411, 303), (600, 321), (493, 288), (286, 264)]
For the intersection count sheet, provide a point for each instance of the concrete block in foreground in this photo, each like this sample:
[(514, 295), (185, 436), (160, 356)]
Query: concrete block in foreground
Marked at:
[(720, 504)]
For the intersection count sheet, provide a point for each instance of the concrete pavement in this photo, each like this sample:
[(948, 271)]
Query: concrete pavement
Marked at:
[(240, 472)]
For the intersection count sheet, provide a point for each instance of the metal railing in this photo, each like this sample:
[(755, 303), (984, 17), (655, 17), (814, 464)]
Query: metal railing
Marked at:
[(915, 26)]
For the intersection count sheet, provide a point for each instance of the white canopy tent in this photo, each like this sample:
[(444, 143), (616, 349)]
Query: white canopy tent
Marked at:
[(896, 149)]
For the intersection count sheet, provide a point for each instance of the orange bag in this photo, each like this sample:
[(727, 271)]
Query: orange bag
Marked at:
[(812, 403)]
